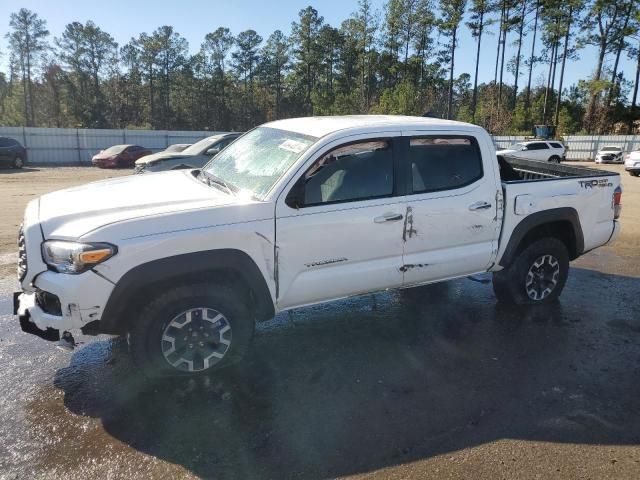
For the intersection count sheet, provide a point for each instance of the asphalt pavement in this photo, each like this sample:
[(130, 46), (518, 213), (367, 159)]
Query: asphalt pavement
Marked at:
[(435, 382)]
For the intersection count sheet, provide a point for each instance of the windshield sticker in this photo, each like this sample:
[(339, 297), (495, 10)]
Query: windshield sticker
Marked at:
[(293, 146)]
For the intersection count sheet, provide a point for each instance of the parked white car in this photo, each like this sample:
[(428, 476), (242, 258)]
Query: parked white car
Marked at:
[(632, 163), (610, 154), (298, 212), (541, 150)]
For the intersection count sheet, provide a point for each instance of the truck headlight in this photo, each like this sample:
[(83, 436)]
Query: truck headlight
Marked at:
[(75, 257)]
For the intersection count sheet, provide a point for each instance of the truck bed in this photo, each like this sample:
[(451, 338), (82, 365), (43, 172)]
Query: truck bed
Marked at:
[(585, 196), (518, 170)]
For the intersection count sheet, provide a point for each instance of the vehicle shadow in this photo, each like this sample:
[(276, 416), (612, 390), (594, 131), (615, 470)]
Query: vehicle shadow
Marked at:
[(8, 170), (381, 380)]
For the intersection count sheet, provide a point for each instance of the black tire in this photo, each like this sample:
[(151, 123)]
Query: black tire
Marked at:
[(146, 335), (18, 162), (554, 159), (515, 285), (634, 174)]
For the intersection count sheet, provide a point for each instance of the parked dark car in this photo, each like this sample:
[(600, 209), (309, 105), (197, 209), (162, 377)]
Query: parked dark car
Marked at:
[(177, 147), (196, 156), (12, 153), (119, 156)]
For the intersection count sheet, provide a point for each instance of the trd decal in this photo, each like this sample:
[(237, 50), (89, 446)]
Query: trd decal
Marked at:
[(600, 182)]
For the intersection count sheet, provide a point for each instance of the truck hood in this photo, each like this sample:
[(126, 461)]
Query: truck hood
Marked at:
[(74, 212), (154, 157)]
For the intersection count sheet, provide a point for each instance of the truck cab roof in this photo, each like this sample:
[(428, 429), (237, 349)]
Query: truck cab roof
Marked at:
[(322, 126)]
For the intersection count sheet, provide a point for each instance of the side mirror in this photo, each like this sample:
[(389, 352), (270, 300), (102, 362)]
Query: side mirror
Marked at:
[(213, 151), (295, 198)]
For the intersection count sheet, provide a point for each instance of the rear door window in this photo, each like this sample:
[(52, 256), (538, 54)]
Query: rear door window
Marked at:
[(438, 163)]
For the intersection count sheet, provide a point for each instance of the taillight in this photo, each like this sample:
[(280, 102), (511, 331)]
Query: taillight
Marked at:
[(617, 202)]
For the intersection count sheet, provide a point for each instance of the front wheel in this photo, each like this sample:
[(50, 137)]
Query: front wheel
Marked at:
[(191, 329), (634, 174), (536, 276)]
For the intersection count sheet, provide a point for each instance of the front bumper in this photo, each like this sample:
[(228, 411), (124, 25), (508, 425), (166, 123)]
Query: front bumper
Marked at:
[(609, 160), (30, 316), (82, 299), (105, 162)]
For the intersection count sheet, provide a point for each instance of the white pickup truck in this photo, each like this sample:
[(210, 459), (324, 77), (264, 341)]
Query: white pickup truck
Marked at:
[(297, 212)]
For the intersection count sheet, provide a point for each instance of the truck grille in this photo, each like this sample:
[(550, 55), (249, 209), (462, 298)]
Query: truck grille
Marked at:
[(22, 255)]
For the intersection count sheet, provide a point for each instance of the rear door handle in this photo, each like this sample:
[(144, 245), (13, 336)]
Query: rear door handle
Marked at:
[(479, 206), (388, 217)]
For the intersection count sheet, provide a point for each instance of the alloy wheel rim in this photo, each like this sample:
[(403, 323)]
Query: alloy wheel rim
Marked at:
[(196, 339), (18, 162), (542, 277)]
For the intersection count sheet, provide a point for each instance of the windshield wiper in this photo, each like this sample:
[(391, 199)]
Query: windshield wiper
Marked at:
[(210, 179)]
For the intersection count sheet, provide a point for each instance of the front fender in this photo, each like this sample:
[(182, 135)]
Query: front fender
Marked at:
[(136, 281)]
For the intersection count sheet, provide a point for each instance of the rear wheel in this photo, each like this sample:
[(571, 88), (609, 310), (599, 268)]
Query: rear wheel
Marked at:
[(191, 329), (536, 276), (554, 159), (634, 174), (18, 162)]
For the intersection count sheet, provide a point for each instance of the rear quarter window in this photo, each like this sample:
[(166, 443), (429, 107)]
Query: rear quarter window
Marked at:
[(555, 145)]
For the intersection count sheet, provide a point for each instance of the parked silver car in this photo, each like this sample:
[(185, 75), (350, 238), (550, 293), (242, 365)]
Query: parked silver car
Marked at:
[(194, 156)]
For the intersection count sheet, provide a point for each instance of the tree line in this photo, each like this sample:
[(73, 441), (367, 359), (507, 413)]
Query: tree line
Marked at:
[(400, 60)]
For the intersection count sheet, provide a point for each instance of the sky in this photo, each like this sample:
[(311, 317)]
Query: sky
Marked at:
[(193, 19)]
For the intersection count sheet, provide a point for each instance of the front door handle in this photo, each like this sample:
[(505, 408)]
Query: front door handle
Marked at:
[(388, 217), (479, 206)]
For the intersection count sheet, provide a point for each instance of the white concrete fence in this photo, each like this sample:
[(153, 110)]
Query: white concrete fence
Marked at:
[(581, 147), (73, 146)]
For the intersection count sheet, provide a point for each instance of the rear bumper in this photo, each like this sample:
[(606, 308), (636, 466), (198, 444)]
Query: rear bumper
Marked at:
[(615, 232)]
